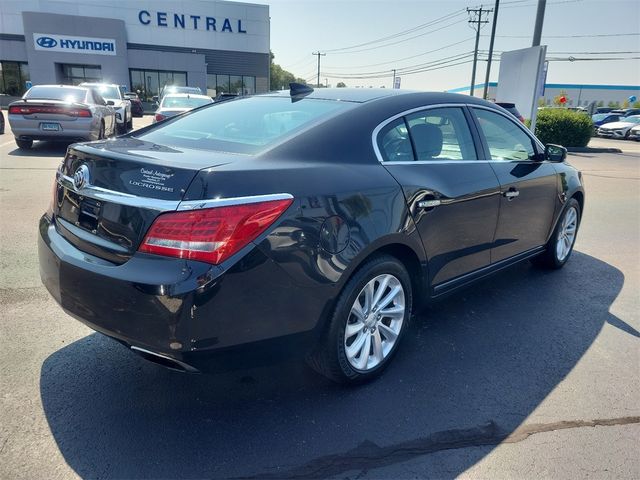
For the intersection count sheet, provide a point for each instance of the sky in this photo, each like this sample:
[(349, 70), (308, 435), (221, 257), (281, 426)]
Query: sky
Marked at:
[(439, 35)]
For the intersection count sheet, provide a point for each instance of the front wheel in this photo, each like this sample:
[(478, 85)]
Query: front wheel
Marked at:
[(560, 245), (370, 317)]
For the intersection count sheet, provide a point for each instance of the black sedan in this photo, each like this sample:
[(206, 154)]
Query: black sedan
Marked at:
[(309, 223)]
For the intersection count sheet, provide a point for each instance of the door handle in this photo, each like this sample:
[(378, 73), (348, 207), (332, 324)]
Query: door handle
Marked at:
[(428, 203), (511, 194)]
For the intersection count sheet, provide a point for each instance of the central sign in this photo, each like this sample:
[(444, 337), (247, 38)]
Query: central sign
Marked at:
[(51, 42), (195, 22)]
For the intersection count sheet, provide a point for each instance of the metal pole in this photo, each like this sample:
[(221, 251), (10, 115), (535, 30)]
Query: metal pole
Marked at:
[(479, 21), (318, 55), (493, 37), (393, 83), (537, 31)]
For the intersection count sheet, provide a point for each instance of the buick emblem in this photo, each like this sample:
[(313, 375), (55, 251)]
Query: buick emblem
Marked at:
[(81, 177), (47, 42)]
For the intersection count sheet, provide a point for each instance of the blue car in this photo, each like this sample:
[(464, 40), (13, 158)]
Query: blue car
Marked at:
[(600, 119)]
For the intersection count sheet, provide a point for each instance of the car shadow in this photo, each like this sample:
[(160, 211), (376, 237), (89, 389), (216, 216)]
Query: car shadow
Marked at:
[(42, 149), (479, 361)]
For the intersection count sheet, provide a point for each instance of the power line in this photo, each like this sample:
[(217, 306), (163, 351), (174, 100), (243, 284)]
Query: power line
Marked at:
[(572, 36), (402, 33)]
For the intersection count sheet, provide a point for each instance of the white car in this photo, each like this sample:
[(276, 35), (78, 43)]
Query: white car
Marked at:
[(173, 104), (619, 129), (121, 104), (634, 133)]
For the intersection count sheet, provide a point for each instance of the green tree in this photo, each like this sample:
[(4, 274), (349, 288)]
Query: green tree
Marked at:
[(600, 103), (636, 104), (614, 104), (625, 104), (341, 85), (280, 78)]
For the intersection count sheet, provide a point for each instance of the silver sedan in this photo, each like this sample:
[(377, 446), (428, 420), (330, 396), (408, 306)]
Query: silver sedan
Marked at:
[(61, 113)]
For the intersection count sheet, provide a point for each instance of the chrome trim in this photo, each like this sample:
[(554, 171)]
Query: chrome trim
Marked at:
[(121, 198), (223, 202), (118, 197), (183, 365), (376, 131)]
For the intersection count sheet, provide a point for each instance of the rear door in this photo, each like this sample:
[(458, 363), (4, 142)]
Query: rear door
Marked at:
[(528, 184), (452, 195)]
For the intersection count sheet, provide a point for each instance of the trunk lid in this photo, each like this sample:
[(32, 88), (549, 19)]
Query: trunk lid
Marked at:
[(54, 110), (127, 184)]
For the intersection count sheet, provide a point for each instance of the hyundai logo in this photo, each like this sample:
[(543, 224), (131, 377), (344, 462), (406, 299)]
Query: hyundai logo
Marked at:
[(47, 42), (81, 177)]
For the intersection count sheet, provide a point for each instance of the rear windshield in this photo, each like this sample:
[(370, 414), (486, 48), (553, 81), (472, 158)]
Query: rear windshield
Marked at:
[(184, 102), (57, 93), (242, 126)]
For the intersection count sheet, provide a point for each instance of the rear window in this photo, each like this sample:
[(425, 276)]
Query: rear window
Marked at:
[(184, 102), (57, 93), (243, 126)]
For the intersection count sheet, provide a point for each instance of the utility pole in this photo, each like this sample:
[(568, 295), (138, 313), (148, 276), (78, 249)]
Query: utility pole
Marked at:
[(537, 31), (393, 83), (475, 17), (493, 37), (318, 54)]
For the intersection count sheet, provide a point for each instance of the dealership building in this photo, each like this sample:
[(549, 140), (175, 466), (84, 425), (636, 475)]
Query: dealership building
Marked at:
[(143, 45)]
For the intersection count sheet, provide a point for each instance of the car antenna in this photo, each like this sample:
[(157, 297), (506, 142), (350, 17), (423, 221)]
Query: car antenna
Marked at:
[(298, 91)]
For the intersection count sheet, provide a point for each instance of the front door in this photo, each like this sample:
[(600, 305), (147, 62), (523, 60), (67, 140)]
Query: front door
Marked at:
[(528, 185), (453, 196)]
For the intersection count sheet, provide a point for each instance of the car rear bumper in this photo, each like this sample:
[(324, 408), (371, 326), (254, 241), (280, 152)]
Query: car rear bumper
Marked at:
[(79, 129), (194, 315)]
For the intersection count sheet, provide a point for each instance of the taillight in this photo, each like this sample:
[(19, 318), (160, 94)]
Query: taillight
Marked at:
[(28, 110), (211, 235), (159, 117)]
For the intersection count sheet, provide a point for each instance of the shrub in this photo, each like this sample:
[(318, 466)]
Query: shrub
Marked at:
[(564, 127)]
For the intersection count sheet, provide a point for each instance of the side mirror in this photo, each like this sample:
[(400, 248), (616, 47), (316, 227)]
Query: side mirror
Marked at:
[(111, 102), (555, 153)]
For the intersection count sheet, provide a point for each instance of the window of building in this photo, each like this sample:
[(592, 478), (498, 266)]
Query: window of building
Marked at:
[(13, 78), (76, 74), (242, 85), (149, 83)]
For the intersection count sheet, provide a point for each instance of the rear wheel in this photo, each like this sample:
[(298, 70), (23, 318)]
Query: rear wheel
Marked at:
[(370, 317), (101, 135), (130, 124), (24, 144), (560, 245)]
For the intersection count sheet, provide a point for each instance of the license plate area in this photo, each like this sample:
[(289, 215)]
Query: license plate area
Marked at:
[(89, 213), (50, 127)]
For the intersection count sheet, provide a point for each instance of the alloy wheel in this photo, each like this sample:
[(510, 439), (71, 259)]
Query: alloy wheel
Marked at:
[(374, 322), (567, 234)]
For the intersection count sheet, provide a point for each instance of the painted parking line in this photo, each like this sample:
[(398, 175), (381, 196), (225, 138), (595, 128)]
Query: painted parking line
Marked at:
[(5, 144)]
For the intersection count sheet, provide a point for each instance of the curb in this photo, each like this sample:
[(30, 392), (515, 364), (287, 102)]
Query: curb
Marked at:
[(593, 150)]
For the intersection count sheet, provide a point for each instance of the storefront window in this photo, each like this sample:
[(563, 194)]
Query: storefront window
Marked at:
[(249, 85), (211, 85), (149, 83), (242, 85), (222, 85), (76, 74), (13, 76), (235, 84)]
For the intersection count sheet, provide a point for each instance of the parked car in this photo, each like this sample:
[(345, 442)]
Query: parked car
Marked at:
[(619, 129), (603, 110), (305, 223), (122, 105), (60, 113), (137, 110), (1, 122), (177, 103), (634, 133), (170, 89), (511, 108), (627, 112), (223, 97), (600, 119)]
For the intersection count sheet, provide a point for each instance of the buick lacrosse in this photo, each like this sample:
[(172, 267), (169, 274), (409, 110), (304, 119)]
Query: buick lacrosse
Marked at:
[(305, 223)]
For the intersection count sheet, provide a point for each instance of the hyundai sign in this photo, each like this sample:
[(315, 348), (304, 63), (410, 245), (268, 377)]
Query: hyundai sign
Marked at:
[(66, 43)]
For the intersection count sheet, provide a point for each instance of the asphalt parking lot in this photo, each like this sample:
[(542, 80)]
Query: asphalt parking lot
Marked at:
[(529, 374)]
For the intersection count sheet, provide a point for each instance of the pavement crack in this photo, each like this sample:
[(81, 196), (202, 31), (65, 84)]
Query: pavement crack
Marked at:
[(368, 455)]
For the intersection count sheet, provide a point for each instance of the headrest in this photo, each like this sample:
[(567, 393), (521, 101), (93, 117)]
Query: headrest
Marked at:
[(427, 139)]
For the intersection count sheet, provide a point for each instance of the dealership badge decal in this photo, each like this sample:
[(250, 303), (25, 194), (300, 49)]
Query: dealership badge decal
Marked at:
[(81, 177), (47, 42)]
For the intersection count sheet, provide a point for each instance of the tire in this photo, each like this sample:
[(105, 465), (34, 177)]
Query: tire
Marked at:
[(24, 144), (130, 124), (332, 356), (554, 257), (122, 128), (101, 135)]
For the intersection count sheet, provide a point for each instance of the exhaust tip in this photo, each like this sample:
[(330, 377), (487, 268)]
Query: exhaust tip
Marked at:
[(164, 360)]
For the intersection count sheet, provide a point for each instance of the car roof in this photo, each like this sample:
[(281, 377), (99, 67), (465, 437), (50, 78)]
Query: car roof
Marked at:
[(94, 84), (78, 87)]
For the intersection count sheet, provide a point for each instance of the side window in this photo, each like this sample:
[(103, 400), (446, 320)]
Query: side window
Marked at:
[(393, 142), (441, 134), (506, 140)]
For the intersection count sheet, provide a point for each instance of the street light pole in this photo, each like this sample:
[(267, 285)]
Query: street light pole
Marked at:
[(537, 31)]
